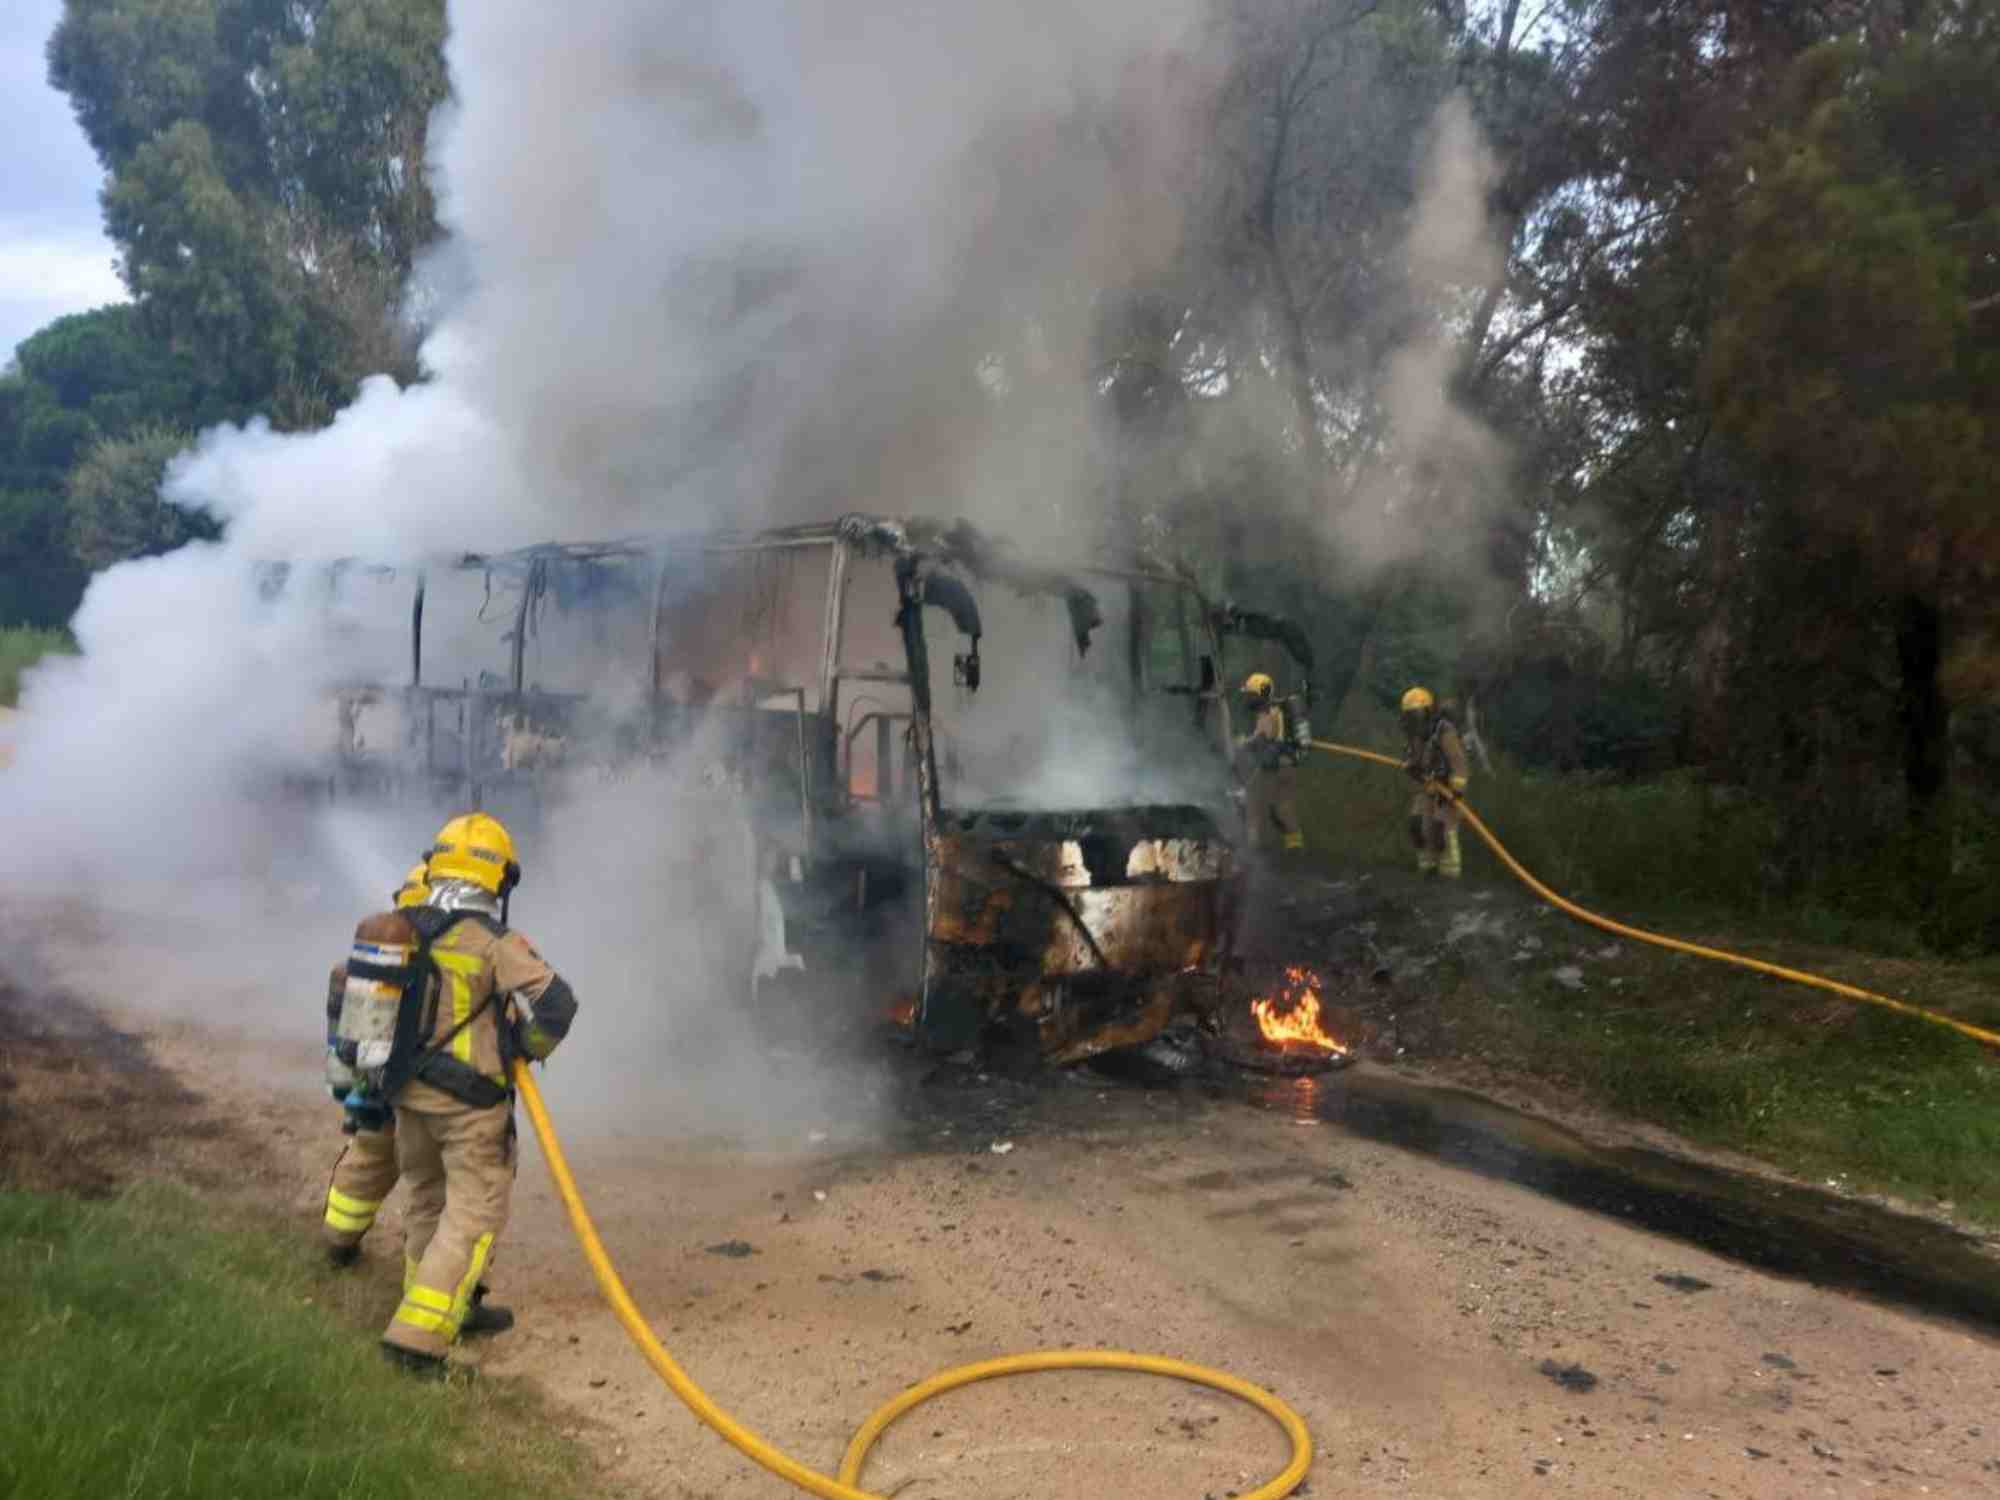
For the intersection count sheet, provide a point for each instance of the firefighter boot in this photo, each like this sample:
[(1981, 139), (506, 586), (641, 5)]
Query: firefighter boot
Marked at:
[(485, 1317), (1433, 860), (1426, 857), (340, 1257)]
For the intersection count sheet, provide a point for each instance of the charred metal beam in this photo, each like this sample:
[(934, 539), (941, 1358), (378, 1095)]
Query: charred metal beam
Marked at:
[(910, 621), (663, 571), (833, 629), (417, 633), (1230, 620), (964, 546), (942, 591), (536, 582)]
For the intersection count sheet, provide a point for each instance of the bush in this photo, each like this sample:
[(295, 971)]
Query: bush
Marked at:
[(1562, 717), (21, 646), (1674, 848)]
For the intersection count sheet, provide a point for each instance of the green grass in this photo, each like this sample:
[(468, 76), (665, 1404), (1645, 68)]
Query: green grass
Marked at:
[(1809, 1083), (154, 1354), (1804, 1079), (21, 646)]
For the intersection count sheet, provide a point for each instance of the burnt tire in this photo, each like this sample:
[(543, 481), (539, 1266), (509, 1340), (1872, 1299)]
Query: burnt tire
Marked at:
[(1160, 1063)]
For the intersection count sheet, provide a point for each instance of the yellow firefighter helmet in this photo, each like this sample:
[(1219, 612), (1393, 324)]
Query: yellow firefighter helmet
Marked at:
[(1258, 685), (1418, 700), (478, 848), (416, 887)]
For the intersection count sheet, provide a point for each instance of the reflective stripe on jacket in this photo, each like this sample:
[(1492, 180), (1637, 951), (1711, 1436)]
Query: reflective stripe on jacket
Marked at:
[(482, 974)]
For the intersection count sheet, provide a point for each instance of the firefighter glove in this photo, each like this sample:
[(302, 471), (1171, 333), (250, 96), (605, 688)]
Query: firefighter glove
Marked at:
[(1412, 770)]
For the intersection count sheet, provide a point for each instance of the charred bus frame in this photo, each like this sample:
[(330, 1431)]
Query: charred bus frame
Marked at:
[(1067, 933)]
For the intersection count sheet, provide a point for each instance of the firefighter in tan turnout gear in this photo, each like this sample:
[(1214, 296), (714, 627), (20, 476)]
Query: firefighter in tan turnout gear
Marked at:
[(1271, 776), (365, 1173), (1436, 757), (440, 999)]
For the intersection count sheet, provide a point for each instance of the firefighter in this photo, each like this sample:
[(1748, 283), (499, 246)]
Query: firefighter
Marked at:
[(1271, 780), (472, 996), (1435, 759), (365, 1173)]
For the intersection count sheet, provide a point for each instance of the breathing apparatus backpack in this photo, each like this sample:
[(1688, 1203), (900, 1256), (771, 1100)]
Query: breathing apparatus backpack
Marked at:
[(389, 1008), (1431, 759), (1298, 728)]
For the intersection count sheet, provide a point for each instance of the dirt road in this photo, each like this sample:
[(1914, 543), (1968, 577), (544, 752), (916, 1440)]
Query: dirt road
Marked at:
[(1412, 1312)]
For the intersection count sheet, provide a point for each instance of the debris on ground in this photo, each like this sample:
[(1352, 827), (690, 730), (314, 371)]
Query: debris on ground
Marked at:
[(1682, 1283), (733, 1249), (1569, 1377), (1474, 924)]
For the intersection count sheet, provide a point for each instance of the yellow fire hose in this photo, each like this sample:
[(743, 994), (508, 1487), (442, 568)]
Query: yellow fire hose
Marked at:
[(846, 1486), (1776, 971)]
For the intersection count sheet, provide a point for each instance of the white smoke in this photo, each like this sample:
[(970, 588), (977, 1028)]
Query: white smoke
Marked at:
[(1446, 468), (707, 263)]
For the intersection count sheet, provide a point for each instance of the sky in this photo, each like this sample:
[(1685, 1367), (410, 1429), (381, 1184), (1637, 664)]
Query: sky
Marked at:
[(54, 258)]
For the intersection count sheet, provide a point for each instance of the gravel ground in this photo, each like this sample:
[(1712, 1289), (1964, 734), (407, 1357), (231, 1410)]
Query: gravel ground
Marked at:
[(1443, 1334)]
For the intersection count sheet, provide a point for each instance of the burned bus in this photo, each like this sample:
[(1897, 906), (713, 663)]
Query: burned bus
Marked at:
[(992, 792)]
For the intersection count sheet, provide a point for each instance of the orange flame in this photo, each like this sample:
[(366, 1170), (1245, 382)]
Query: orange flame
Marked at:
[(1292, 1020), (902, 1011)]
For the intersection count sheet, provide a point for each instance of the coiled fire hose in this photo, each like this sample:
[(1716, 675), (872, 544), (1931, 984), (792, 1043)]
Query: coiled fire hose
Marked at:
[(846, 1485), (1658, 940)]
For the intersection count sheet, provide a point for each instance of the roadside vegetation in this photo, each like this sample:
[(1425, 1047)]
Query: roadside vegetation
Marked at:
[(1809, 1081), (1683, 850), (158, 1352), (21, 646)]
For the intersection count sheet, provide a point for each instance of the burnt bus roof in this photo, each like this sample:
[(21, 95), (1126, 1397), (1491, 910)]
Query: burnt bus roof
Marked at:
[(923, 540), (956, 542)]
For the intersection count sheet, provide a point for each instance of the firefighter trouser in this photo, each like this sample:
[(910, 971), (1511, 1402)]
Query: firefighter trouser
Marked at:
[(1434, 832), (362, 1178), (1273, 808), (459, 1168)]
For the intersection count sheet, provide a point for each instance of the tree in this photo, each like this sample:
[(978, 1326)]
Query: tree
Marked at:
[(1856, 350), (1392, 242), (103, 366), (83, 380), (268, 187), (40, 582), (115, 507)]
